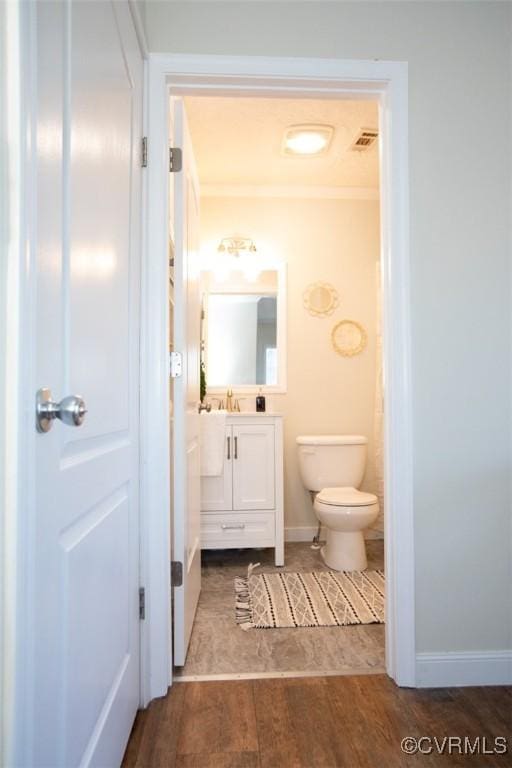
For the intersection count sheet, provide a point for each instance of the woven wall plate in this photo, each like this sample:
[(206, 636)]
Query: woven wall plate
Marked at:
[(320, 299), (348, 338)]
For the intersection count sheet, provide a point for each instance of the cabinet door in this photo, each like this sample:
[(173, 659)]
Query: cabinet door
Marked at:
[(217, 492), (253, 467)]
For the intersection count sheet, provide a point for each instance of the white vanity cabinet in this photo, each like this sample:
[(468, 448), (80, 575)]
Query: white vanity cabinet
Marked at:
[(243, 507)]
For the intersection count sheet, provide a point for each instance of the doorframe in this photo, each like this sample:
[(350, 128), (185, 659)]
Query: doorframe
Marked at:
[(16, 349), (387, 83)]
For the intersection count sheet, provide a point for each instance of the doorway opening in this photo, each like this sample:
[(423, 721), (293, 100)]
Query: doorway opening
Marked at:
[(382, 86), (282, 299)]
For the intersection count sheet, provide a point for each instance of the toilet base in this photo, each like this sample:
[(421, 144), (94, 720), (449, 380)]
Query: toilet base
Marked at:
[(344, 551)]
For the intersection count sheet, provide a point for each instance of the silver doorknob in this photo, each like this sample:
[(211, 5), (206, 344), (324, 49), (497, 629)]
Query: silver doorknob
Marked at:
[(71, 410)]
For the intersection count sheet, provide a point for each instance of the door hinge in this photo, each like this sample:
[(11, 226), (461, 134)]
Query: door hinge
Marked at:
[(142, 603), (176, 573), (175, 159), (175, 367), (144, 152)]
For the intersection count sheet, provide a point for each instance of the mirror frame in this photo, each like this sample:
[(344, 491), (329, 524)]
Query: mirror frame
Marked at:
[(280, 293)]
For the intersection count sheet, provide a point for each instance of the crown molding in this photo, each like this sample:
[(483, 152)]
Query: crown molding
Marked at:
[(140, 29), (290, 191)]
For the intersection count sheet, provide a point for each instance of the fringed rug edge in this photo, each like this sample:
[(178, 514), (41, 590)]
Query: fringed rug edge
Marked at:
[(243, 606)]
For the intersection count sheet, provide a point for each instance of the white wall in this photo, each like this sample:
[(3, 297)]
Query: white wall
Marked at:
[(335, 241), (460, 201)]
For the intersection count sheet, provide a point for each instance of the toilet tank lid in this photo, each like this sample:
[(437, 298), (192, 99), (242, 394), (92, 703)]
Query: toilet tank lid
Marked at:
[(332, 440)]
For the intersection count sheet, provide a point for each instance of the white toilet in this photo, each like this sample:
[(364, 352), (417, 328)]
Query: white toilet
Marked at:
[(332, 466)]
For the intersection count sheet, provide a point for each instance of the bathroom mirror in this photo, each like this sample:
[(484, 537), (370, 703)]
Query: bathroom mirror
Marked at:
[(243, 332), (348, 338), (320, 299)]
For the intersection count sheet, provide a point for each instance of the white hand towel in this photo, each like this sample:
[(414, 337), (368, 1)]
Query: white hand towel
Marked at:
[(213, 439)]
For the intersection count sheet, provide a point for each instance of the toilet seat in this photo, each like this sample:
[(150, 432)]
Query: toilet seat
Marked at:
[(346, 497)]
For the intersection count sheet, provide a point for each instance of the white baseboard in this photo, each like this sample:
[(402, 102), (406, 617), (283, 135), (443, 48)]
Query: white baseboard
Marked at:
[(302, 533), (306, 533), (434, 670)]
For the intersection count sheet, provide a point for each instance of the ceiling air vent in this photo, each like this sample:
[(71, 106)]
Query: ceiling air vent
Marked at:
[(365, 139)]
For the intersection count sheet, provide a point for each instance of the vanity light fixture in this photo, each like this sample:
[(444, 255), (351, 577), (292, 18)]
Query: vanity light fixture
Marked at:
[(241, 250), (234, 245), (307, 140)]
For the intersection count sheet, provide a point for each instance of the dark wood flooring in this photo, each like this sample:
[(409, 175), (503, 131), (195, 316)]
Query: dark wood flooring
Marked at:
[(322, 722)]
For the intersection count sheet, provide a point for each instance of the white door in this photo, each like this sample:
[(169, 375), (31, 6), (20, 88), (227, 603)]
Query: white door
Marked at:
[(83, 660), (253, 467), (217, 492), (186, 522)]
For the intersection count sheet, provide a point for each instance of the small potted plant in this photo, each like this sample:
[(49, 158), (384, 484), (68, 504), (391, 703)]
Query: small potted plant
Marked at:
[(202, 382)]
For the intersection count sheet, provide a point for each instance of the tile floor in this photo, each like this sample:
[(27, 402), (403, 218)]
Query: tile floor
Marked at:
[(218, 646)]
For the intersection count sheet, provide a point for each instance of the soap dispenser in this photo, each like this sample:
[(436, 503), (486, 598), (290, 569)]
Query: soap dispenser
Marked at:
[(260, 402)]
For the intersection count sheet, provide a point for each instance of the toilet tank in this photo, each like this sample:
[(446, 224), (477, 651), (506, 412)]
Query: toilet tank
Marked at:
[(330, 461)]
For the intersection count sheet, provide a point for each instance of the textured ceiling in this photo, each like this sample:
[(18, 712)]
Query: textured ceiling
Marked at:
[(238, 141)]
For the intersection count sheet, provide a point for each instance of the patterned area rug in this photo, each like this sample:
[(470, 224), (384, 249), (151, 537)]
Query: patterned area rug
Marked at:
[(319, 599)]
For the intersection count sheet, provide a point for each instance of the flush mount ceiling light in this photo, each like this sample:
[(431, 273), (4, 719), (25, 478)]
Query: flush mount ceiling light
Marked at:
[(307, 140)]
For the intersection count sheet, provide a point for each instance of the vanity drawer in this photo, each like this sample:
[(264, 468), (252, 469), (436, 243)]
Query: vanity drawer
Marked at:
[(229, 530)]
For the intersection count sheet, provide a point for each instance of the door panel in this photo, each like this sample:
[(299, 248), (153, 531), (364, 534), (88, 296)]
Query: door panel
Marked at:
[(253, 467), (217, 492), (98, 299), (85, 579), (186, 523)]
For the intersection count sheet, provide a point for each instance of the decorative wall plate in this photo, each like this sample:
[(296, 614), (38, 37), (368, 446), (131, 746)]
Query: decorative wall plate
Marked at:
[(348, 338), (320, 299)]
